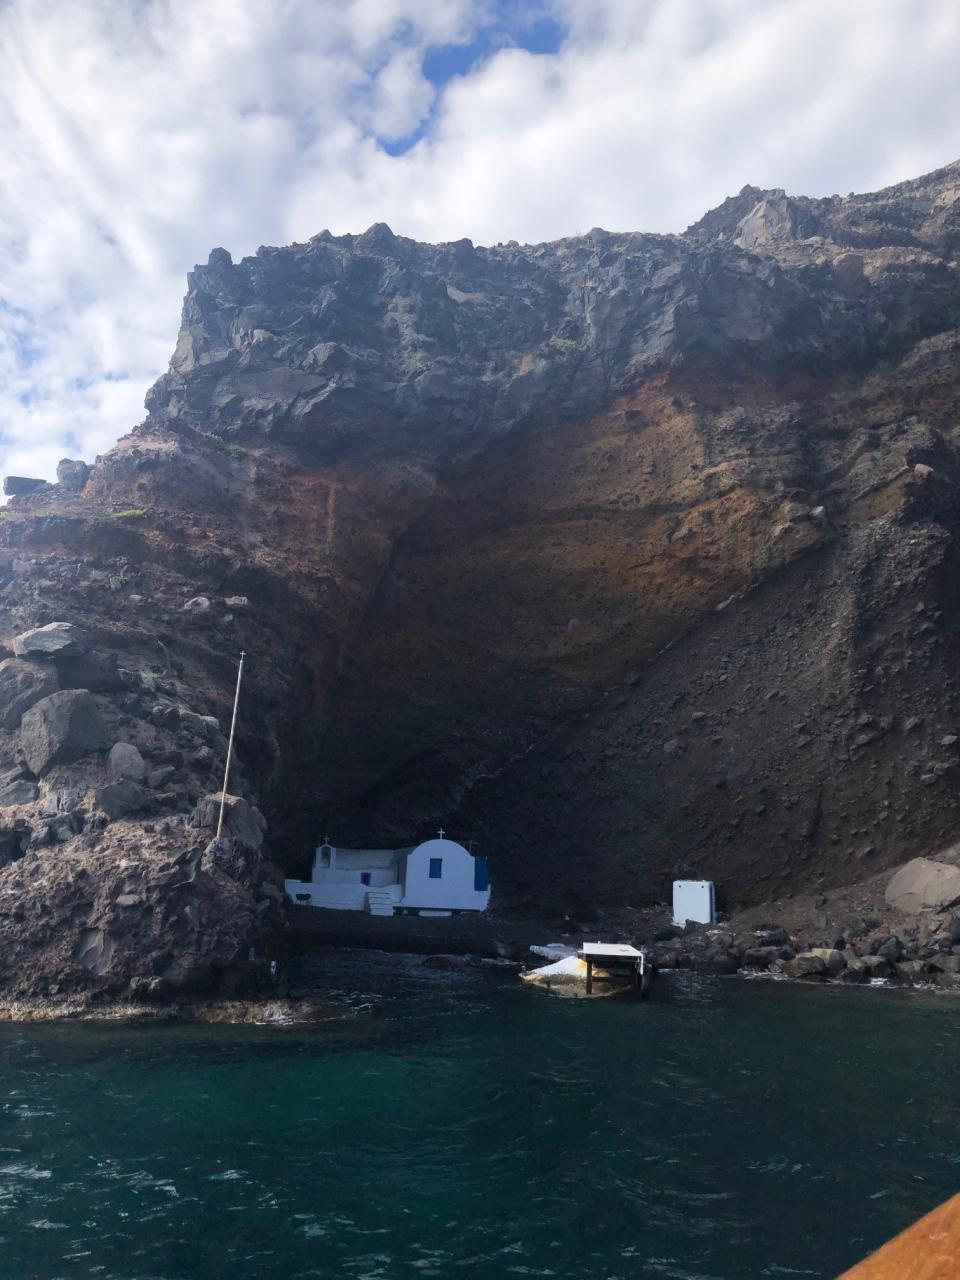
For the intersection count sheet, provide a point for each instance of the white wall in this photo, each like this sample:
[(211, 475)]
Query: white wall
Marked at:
[(454, 890), (342, 897), (378, 877)]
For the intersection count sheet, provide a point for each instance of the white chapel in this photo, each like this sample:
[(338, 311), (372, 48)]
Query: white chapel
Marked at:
[(438, 875)]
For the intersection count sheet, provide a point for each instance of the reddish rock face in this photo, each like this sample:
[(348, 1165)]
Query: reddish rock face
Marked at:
[(629, 556)]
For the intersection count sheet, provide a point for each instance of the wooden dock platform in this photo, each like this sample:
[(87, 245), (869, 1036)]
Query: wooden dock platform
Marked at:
[(609, 955)]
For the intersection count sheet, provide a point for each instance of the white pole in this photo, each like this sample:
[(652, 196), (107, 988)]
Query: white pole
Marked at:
[(233, 725)]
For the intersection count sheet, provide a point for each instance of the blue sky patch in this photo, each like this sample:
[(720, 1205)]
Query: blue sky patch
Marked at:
[(519, 25)]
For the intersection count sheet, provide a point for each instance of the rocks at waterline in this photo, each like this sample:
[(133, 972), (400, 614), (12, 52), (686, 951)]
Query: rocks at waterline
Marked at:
[(850, 937), (61, 728), (927, 965)]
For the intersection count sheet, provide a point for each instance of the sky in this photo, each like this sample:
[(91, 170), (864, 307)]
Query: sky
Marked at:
[(135, 135)]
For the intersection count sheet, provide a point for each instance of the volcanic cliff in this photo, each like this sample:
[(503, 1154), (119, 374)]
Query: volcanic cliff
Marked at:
[(624, 556)]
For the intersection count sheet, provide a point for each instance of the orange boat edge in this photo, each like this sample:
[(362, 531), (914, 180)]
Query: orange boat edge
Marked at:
[(929, 1250)]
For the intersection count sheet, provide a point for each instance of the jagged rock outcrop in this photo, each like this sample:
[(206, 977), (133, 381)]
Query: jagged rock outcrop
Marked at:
[(628, 555), (21, 685), (62, 639), (72, 473), (60, 729)]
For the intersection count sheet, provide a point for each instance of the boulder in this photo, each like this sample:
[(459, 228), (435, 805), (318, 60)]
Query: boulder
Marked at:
[(807, 965), (61, 638), (125, 761), (923, 884), (121, 799), (719, 960), (909, 972), (876, 966), (763, 957), (21, 791), (165, 715), (158, 778), (94, 950), (192, 721), (832, 959), (21, 685), (892, 949), (667, 933), (197, 604), (96, 671), (241, 821), (14, 842), (61, 728), (65, 828), (14, 486), (72, 473), (772, 936), (856, 970), (65, 795)]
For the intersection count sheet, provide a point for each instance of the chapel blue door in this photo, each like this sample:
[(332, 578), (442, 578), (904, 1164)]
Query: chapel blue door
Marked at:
[(480, 882)]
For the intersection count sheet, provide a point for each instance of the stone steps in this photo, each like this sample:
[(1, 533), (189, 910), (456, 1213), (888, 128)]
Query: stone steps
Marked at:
[(379, 903)]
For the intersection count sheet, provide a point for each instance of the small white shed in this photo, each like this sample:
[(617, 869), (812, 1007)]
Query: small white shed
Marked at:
[(694, 900), (437, 875)]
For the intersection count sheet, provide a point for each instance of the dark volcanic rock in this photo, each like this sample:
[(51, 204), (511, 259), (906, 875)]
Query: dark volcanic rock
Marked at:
[(61, 728), (55, 639), (21, 685), (241, 822), (14, 486), (72, 473), (125, 761), (124, 798), (19, 791), (95, 671), (625, 556), (14, 840)]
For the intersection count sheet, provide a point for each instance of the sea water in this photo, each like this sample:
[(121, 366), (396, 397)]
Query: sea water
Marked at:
[(453, 1123)]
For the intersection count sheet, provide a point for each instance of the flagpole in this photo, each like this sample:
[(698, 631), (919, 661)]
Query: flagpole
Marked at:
[(233, 726)]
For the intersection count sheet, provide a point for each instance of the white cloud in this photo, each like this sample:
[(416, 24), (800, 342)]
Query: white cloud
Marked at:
[(136, 137)]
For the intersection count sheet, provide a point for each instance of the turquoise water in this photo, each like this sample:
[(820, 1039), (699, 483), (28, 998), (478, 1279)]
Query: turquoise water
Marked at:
[(454, 1124)]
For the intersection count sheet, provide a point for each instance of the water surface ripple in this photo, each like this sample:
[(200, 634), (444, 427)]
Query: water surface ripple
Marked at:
[(453, 1124)]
